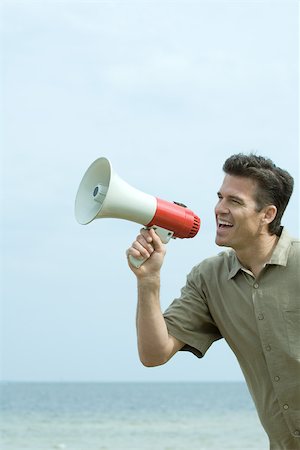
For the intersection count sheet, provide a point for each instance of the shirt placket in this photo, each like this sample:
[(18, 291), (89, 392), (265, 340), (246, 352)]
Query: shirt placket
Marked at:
[(270, 350)]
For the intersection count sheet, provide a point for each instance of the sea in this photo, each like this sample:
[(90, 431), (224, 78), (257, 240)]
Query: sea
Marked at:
[(129, 416)]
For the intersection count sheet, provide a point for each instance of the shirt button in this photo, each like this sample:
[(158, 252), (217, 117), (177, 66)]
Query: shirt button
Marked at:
[(285, 406), (268, 348), (255, 285), (277, 378), (260, 316), (296, 433)]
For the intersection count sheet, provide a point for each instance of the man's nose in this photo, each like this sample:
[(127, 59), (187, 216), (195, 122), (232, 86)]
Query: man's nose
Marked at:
[(221, 207)]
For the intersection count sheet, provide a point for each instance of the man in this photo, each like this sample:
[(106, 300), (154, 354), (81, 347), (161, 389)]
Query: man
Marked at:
[(249, 295)]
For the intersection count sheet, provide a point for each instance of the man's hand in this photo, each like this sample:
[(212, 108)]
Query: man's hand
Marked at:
[(147, 245)]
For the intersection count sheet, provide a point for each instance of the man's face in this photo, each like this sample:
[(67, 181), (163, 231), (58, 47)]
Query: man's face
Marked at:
[(238, 222)]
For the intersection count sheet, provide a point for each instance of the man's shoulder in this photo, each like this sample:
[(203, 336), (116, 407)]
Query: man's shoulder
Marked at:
[(222, 262), (220, 258), (295, 246), (295, 243), (287, 237), (290, 245), (294, 252)]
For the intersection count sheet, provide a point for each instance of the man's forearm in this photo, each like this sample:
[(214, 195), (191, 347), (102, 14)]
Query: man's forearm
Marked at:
[(154, 345)]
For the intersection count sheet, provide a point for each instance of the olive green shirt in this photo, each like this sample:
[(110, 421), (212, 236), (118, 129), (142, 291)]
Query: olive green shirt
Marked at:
[(260, 320)]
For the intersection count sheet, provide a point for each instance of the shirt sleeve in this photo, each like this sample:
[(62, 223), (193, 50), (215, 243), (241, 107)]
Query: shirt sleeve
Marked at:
[(188, 317)]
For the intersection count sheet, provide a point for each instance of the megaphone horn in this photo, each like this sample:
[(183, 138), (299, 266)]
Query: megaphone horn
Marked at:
[(103, 194)]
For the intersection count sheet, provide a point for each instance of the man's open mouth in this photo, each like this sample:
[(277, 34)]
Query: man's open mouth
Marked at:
[(224, 224)]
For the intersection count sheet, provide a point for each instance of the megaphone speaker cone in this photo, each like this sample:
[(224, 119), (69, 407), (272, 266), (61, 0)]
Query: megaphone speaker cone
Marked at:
[(103, 194)]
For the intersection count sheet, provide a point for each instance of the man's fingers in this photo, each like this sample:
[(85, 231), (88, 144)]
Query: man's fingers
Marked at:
[(145, 241), (142, 247), (146, 234), (156, 241), (148, 248), (145, 244)]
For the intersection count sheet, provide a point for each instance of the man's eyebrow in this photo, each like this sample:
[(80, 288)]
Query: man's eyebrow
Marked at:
[(235, 197), (232, 197)]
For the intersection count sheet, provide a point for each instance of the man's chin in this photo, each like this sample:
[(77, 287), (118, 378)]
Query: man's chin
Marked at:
[(221, 242)]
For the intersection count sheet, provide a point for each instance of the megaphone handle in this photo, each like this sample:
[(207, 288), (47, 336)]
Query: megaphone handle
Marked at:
[(165, 236)]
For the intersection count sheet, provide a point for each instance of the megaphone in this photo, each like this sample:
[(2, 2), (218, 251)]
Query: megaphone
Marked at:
[(103, 194)]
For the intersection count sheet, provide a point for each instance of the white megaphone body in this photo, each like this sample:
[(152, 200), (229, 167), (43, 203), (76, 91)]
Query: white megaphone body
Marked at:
[(103, 194)]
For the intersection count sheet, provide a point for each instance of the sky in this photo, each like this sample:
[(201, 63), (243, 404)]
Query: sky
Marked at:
[(166, 90)]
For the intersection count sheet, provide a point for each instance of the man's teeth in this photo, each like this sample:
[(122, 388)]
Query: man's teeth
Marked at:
[(224, 223)]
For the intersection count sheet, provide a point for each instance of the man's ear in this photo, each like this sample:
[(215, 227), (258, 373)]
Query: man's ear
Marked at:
[(270, 212)]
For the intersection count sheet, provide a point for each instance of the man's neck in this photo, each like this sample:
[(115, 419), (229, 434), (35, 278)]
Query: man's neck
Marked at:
[(255, 257)]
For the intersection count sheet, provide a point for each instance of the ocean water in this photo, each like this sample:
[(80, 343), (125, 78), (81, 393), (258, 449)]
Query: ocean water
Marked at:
[(128, 416)]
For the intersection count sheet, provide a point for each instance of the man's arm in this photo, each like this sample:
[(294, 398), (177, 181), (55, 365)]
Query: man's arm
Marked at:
[(155, 345)]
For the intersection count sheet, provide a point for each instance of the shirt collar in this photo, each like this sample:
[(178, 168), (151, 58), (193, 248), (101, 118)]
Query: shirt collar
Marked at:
[(279, 256), (236, 266), (282, 249)]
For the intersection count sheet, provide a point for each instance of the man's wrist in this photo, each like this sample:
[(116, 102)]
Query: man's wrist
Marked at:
[(149, 281)]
